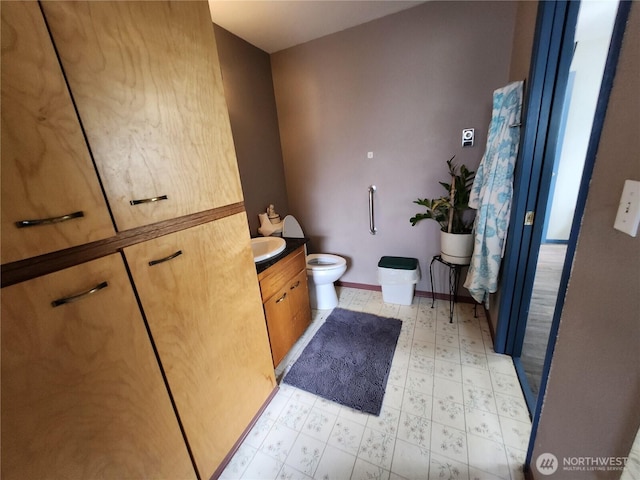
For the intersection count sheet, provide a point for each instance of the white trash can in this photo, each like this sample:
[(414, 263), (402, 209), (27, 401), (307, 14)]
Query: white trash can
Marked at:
[(398, 277)]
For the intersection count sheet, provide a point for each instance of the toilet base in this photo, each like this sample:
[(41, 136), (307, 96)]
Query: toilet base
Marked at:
[(323, 297)]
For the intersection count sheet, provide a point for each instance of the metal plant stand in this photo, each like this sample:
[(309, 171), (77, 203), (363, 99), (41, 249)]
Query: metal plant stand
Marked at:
[(454, 280)]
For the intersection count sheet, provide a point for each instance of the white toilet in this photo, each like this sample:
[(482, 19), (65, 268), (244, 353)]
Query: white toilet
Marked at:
[(322, 269)]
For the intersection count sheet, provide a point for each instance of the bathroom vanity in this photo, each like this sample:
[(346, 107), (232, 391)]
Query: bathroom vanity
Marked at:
[(285, 297)]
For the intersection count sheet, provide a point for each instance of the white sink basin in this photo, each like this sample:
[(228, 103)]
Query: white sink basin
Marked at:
[(265, 248)]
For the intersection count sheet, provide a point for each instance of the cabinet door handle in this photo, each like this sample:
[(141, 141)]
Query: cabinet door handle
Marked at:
[(165, 259), (284, 295), (73, 298), (149, 200), (293, 287), (49, 221)]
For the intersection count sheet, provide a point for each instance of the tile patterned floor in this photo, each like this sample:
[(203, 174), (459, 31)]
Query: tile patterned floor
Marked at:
[(453, 409)]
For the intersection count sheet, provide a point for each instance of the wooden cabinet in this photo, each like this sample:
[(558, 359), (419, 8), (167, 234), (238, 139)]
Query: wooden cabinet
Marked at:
[(82, 393), (98, 388), (146, 80), (43, 149), (285, 295), (203, 306)]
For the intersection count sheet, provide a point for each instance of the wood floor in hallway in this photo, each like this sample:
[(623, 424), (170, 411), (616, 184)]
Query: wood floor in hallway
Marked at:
[(543, 302)]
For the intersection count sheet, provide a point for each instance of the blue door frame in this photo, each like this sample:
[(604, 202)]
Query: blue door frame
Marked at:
[(592, 149), (556, 21), (551, 59)]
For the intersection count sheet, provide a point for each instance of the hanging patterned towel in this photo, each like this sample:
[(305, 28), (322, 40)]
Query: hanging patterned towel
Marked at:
[(492, 191)]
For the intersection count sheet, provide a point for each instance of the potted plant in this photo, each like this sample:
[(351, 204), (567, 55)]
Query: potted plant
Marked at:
[(452, 213)]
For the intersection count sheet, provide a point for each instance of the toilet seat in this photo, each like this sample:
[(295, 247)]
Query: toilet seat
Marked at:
[(322, 269), (324, 261)]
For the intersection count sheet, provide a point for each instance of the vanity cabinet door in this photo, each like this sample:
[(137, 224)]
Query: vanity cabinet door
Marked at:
[(280, 324), (43, 150), (300, 305), (285, 295), (200, 294), (147, 84), (82, 392), (288, 315)]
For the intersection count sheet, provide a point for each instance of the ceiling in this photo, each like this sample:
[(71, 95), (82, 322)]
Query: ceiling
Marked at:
[(276, 25)]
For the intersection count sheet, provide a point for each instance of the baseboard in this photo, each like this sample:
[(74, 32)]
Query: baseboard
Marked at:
[(361, 286), (418, 293)]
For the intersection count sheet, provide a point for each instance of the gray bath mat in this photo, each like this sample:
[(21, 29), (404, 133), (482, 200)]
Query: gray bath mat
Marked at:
[(348, 359)]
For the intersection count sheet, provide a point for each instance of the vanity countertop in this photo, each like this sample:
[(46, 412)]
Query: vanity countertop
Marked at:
[(292, 245)]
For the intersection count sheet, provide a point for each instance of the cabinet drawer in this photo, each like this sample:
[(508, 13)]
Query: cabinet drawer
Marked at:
[(275, 277)]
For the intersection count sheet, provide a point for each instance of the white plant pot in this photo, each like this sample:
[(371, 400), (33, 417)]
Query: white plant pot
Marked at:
[(456, 248)]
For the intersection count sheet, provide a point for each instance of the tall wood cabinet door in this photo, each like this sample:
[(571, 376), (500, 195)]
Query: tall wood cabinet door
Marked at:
[(146, 80), (43, 150), (82, 392), (203, 306)]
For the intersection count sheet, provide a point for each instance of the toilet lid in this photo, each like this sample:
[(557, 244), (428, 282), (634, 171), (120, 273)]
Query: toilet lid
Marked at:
[(324, 261), (291, 228)]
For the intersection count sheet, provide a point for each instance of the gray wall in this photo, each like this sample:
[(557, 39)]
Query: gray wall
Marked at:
[(591, 406), (248, 87), (524, 33), (402, 87)]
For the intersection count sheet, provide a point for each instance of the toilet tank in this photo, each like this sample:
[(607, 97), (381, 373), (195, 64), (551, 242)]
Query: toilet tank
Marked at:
[(291, 228)]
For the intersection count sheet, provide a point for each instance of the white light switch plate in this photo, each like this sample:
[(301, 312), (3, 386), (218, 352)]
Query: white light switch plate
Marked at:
[(628, 215)]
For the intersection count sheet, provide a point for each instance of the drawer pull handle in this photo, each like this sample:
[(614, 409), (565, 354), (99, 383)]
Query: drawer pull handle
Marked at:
[(73, 298), (48, 221), (149, 200), (284, 295), (293, 287), (165, 259)]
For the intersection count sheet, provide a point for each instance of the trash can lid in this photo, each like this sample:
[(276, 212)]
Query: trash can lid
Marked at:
[(399, 263)]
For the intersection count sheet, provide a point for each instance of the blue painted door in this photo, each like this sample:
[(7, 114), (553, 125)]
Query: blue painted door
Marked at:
[(559, 128), (543, 127)]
